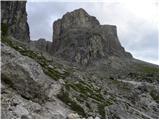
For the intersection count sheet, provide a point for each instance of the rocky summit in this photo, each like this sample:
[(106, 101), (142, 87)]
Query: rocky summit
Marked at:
[(83, 73), (79, 37)]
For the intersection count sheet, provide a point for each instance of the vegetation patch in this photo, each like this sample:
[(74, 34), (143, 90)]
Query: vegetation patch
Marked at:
[(148, 69), (101, 107), (64, 96), (145, 73), (78, 93)]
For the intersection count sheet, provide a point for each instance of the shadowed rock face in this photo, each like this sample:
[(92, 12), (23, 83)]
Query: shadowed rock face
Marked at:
[(79, 37), (14, 20)]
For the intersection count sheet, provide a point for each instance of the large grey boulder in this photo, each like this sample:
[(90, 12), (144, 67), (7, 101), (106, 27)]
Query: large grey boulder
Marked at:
[(14, 20), (26, 76), (79, 37)]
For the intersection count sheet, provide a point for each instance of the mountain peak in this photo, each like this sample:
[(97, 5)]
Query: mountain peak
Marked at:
[(78, 37), (80, 10), (76, 18)]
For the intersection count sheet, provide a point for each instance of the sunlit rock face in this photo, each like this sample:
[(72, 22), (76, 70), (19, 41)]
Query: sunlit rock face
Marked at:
[(14, 20), (79, 37)]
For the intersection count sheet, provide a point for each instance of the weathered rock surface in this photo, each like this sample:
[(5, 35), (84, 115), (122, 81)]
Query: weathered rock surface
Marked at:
[(29, 79), (78, 37), (14, 106), (41, 45), (14, 20), (98, 93)]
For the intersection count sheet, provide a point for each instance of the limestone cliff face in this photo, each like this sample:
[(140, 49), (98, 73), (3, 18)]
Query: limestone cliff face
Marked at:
[(79, 37), (41, 45), (14, 20)]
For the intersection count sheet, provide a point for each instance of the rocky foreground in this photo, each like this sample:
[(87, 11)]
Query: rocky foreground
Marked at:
[(83, 73)]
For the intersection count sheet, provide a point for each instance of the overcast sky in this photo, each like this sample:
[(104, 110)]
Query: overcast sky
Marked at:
[(136, 22)]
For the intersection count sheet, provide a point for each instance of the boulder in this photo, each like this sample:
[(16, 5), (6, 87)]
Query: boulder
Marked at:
[(73, 116), (26, 76)]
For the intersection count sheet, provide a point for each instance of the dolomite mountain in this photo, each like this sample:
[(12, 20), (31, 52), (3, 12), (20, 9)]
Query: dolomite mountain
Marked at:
[(83, 73), (79, 37)]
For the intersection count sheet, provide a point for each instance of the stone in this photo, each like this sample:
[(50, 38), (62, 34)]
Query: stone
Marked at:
[(21, 111), (14, 20), (73, 116), (97, 117), (90, 117), (61, 81)]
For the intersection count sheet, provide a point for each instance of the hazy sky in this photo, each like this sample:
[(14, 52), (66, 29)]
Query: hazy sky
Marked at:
[(136, 22)]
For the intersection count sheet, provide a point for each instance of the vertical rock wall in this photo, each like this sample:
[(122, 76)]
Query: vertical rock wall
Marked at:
[(14, 20)]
